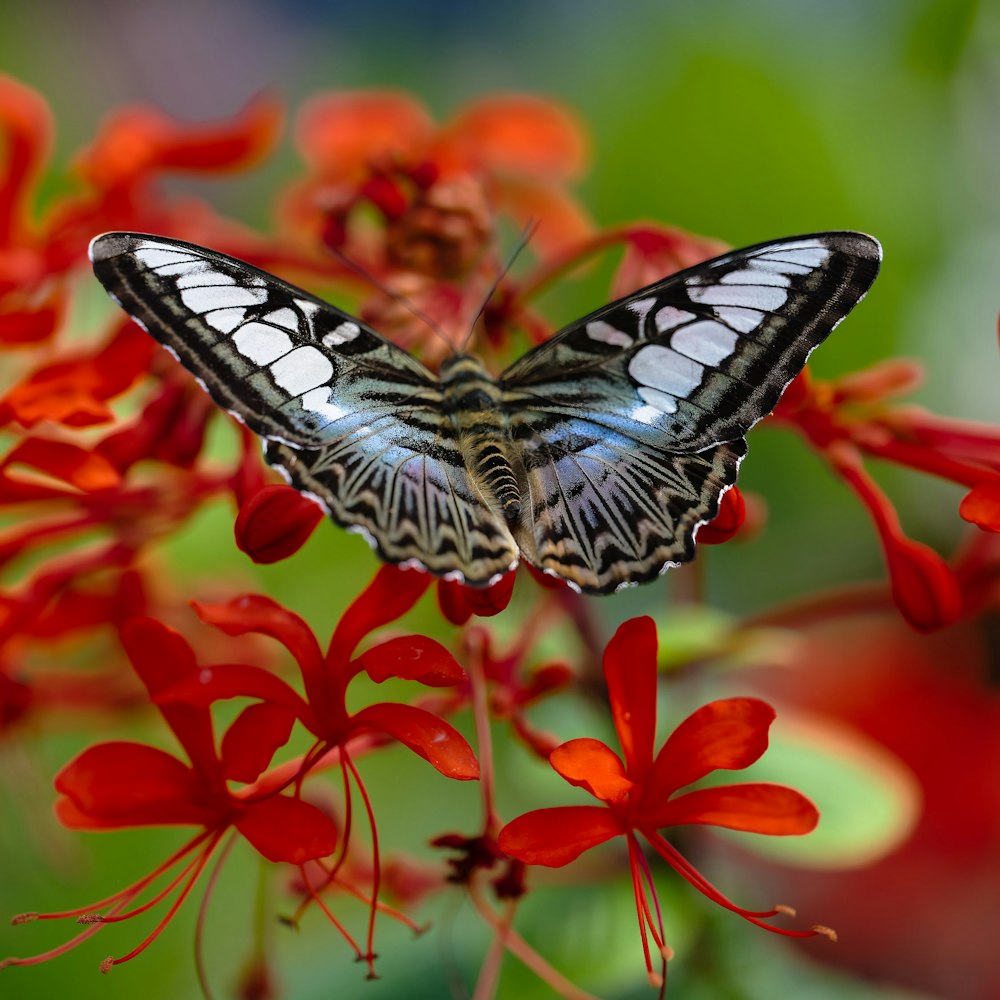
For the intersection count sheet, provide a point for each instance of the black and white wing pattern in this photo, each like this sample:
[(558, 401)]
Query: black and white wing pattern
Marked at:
[(350, 419), (596, 456), (630, 423)]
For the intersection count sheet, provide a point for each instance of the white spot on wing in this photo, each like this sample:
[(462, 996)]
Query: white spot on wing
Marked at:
[(669, 317), (195, 277), (808, 254), (662, 368), (226, 320), (203, 300), (663, 401), (605, 333), (342, 334), (707, 342), (741, 320), (755, 277), (153, 256), (303, 369), (765, 298), (319, 400), (284, 317), (261, 343)]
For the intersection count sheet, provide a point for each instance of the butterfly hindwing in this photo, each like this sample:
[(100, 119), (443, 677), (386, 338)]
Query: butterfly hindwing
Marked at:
[(348, 417), (631, 422)]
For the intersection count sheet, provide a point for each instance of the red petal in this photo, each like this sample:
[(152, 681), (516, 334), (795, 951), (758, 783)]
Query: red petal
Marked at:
[(441, 745), (391, 594), (26, 124), (341, 134), (458, 601), (287, 829), (86, 470), (452, 603), (924, 587), (252, 740), (275, 523), (31, 326), (729, 520), (630, 672), (140, 139), (129, 784), (485, 602), (562, 222), (652, 252), (259, 614), (591, 764), (981, 506), (555, 837), (236, 680), (755, 807), (728, 734), (516, 133), (162, 658), (414, 658)]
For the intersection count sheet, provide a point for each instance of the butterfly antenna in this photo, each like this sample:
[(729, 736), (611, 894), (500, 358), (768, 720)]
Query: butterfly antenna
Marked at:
[(522, 242), (398, 297)]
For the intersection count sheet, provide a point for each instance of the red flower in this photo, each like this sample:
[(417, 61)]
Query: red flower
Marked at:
[(116, 785), (849, 418), (325, 677), (639, 793), (430, 184)]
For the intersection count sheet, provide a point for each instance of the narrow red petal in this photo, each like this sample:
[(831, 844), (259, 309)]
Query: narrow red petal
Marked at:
[(252, 740), (555, 837), (275, 523), (392, 593), (591, 764), (261, 615), (415, 658), (728, 734), (235, 680), (630, 672), (440, 744), (286, 829), (162, 658), (755, 807)]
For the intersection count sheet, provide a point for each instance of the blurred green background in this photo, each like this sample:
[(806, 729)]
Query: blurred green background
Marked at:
[(743, 121)]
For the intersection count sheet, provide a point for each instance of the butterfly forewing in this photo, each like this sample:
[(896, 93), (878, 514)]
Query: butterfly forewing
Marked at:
[(704, 354), (619, 434), (351, 419)]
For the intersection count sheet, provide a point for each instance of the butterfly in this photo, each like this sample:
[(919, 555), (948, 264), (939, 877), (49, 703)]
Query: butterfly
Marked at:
[(595, 457)]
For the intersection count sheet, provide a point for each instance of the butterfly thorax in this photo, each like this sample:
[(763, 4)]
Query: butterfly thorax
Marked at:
[(471, 400)]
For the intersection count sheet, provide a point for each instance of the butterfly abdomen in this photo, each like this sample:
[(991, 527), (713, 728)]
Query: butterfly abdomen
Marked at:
[(472, 401)]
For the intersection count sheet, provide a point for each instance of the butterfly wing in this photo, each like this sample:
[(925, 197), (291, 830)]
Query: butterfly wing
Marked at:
[(630, 423), (351, 419)]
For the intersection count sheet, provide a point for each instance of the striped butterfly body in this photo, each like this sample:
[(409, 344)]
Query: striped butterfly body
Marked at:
[(595, 456)]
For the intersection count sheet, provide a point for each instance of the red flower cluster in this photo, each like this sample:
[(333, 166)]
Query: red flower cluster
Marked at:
[(118, 784), (105, 457)]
